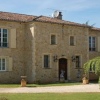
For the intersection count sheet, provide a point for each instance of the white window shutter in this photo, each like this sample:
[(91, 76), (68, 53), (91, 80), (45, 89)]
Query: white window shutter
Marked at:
[(10, 64), (13, 38), (98, 44)]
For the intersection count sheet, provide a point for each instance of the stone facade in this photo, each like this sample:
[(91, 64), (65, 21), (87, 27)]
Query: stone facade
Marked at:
[(17, 53), (33, 41)]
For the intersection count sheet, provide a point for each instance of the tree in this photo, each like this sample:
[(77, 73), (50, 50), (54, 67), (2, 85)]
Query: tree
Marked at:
[(94, 65)]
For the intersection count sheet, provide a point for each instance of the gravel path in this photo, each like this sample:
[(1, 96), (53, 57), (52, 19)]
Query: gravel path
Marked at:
[(53, 89)]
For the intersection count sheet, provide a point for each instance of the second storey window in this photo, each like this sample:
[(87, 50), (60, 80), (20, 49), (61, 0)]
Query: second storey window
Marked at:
[(53, 39), (92, 43), (46, 61), (72, 41), (3, 37)]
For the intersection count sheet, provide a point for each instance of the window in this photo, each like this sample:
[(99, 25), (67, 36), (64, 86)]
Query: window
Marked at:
[(46, 61), (53, 39), (3, 37), (72, 40), (6, 63), (2, 64), (92, 42), (78, 65)]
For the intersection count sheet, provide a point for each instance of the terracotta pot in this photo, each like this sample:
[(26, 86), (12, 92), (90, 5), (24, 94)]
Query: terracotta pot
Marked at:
[(23, 81), (85, 81)]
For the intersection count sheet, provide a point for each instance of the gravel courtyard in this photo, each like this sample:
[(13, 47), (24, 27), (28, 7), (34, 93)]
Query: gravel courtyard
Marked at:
[(53, 89)]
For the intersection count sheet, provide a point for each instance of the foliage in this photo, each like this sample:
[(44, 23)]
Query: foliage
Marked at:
[(94, 65)]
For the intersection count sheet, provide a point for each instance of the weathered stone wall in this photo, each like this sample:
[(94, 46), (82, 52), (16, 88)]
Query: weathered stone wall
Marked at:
[(17, 54), (30, 52), (93, 54), (33, 41), (62, 49), (96, 34)]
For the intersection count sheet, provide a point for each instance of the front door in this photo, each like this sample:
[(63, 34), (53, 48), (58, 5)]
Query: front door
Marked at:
[(63, 67)]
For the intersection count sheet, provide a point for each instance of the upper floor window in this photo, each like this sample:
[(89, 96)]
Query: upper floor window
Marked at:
[(46, 61), (92, 43), (53, 39), (2, 64), (3, 37), (72, 40)]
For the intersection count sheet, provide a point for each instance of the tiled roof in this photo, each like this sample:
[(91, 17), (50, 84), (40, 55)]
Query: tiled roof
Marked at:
[(27, 18), (55, 20), (96, 29), (16, 17)]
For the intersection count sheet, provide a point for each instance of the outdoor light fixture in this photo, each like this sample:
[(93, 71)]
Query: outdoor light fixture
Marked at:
[(73, 58), (55, 58)]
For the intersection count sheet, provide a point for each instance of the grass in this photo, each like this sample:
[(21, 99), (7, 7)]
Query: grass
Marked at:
[(37, 85), (51, 96)]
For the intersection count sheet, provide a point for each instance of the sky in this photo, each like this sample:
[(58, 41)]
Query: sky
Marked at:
[(79, 11)]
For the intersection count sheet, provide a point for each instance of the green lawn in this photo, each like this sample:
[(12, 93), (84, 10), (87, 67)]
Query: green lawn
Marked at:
[(38, 85), (51, 96)]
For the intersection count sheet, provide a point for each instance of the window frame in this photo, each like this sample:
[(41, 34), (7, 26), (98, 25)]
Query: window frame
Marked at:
[(2, 37), (92, 46), (54, 40), (72, 43), (49, 61), (2, 62), (79, 62)]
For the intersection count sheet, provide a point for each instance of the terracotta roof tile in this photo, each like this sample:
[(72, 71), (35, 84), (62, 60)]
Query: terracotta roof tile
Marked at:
[(27, 18), (55, 20), (97, 29), (16, 17)]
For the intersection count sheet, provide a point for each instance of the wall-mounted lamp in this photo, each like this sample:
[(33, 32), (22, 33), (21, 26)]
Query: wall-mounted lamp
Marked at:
[(55, 58), (73, 58)]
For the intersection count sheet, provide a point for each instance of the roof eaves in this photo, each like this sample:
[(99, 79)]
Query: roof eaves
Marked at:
[(81, 25), (12, 20)]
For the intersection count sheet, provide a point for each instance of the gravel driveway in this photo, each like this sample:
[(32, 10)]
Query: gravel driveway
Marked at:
[(53, 89)]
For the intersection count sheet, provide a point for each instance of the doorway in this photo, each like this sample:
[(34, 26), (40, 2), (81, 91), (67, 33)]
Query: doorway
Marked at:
[(63, 66)]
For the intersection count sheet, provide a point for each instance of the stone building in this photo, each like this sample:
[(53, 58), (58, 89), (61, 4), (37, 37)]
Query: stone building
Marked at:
[(40, 47)]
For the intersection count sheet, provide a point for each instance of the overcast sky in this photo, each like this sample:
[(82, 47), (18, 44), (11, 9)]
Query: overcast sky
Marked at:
[(79, 11)]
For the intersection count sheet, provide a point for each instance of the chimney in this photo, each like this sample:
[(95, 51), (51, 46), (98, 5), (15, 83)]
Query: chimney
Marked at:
[(57, 14)]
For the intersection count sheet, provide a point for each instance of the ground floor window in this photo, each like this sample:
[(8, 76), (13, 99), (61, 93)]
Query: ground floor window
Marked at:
[(2, 64), (46, 61), (78, 62)]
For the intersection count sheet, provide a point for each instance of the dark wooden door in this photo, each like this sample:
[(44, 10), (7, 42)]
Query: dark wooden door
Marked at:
[(63, 66)]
